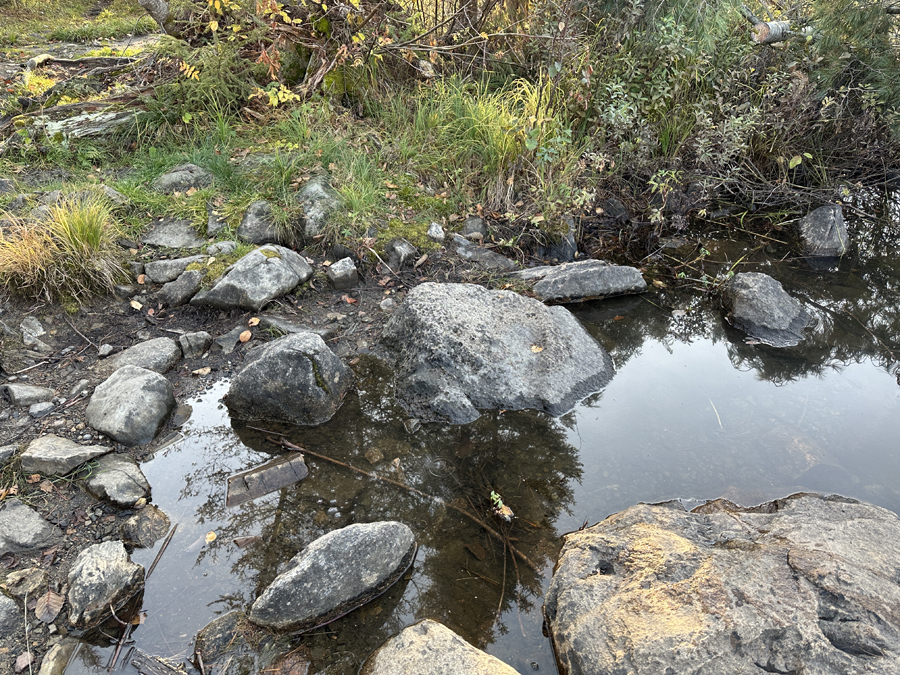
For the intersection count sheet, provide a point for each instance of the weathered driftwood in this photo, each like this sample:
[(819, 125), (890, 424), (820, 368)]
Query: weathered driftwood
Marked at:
[(86, 62), (767, 32)]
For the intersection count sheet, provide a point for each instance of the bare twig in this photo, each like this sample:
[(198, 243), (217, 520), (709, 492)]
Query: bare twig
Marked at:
[(25, 370), (85, 337), (162, 549)]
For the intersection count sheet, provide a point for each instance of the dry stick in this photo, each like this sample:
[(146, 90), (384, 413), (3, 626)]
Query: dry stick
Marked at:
[(491, 531), (27, 646), (36, 365), (97, 347)]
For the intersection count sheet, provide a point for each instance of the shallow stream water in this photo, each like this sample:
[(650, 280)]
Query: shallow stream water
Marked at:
[(693, 413)]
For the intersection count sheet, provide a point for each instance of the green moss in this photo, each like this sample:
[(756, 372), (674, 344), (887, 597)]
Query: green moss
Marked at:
[(320, 381), (415, 232), (213, 272), (269, 253)]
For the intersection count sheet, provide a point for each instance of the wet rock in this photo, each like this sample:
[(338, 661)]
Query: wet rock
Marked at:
[(803, 584), (57, 657), (296, 379), (256, 279), (482, 257), (257, 226), (164, 271), (460, 347), (221, 248), (172, 233), (26, 394), (51, 455), (179, 292), (101, 576), (11, 619), (230, 645), (823, 233), (182, 178), (22, 528), (145, 527), (27, 583), (759, 306), (436, 232), (400, 254), (319, 201), (261, 480), (159, 355), (193, 345), (6, 453), (430, 648), (335, 574), (583, 280), (342, 274), (119, 480), (39, 410), (131, 406)]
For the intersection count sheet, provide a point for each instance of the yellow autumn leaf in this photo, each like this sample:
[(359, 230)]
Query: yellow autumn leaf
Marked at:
[(536, 348), (210, 537), (214, 25), (254, 321), (136, 304)]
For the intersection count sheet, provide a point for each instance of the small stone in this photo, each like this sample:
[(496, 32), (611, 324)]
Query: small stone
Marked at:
[(474, 225), (29, 582), (436, 232), (181, 178), (146, 527), (22, 528), (105, 350), (39, 410), (10, 617), (400, 253), (193, 345), (173, 233), (221, 248), (159, 355), (52, 455), (258, 226), (179, 292), (136, 267), (387, 304), (215, 223), (6, 453), (164, 271), (119, 480), (342, 274), (27, 394)]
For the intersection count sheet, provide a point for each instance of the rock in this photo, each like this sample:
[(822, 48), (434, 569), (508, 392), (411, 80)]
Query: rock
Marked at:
[(215, 223), (39, 410), (823, 233), (26, 394), (21, 528), (583, 280), (179, 292), (172, 233), (225, 648), (257, 226), (11, 619), (131, 405), (565, 248), (286, 327), (460, 347), (615, 209), (400, 253), (7, 186), (113, 195), (6, 453), (163, 271), (295, 379), (482, 257), (256, 279), (804, 584), (105, 350), (79, 388), (414, 652), (221, 248), (32, 326), (57, 657), (759, 306), (51, 455), (182, 178), (318, 200), (125, 291), (474, 225), (335, 574), (51, 198), (136, 267), (159, 355), (436, 232), (193, 345), (387, 305), (28, 583), (145, 527), (342, 274), (261, 480), (119, 480), (229, 340), (101, 576)]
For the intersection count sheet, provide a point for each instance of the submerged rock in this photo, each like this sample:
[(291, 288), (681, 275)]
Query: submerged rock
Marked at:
[(583, 280), (334, 575), (803, 584), (296, 379), (118, 479), (22, 528), (145, 527), (457, 348), (256, 279), (430, 648), (51, 455), (760, 307), (131, 405), (101, 576), (823, 233), (231, 645)]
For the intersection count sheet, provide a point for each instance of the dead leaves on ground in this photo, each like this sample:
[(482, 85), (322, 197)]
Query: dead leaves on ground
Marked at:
[(48, 606)]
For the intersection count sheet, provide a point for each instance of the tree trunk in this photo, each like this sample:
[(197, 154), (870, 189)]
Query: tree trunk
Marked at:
[(159, 11), (767, 32)]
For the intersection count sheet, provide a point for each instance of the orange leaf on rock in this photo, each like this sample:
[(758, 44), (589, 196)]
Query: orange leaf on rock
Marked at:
[(253, 321), (141, 278), (246, 335)]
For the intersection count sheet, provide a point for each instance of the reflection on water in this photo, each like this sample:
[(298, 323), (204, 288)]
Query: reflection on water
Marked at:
[(693, 413)]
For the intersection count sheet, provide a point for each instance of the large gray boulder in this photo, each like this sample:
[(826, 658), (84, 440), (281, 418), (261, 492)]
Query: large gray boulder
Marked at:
[(823, 233), (52, 455), (759, 306), (119, 480), (258, 226), (256, 279), (22, 528), (319, 201), (805, 584), (131, 406), (159, 355), (583, 280), (295, 379), (101, 577), (430, 648), (457, 348), (335, 574)]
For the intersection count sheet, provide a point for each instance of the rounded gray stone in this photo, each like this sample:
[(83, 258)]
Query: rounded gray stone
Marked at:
[(257, 226), (27, 394), (164, 271), (179, 292), (342, 274), (146, 527), (159, 355), (131, 406), (52, 455), (172, 233), (39, 410), (335, 574), (182, 178), (759, 306), (117, 479), (22, 528), (102, 575)]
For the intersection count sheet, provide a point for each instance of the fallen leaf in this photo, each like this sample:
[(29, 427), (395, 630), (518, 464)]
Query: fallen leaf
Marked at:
[(253, 321), (141, 278), (477, 550), (390, 186), (244, 542), (139, 619), (151, 312), (136, 304), (48, 606), (659, 284), (33, 478), (453, 217), (46, 486), (48, 556), (191, 191), (246, 335), (326, 263), (211, 260), (536, 349), (210, 537), (24, 661), (348, 299), (618, 318), (420, 261), (203, 371)]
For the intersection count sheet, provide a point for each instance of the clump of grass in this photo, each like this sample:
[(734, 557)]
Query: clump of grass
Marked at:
[(71, 255), (111, 27)]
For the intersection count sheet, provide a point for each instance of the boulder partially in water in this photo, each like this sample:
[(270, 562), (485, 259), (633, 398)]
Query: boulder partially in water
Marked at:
[(458, 348), (131, 405), (296, 379), (101, 577), (430, 648), (119, 480), (335, 574), (583, 280), (802, 584), (759, 306), (823, 233)]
